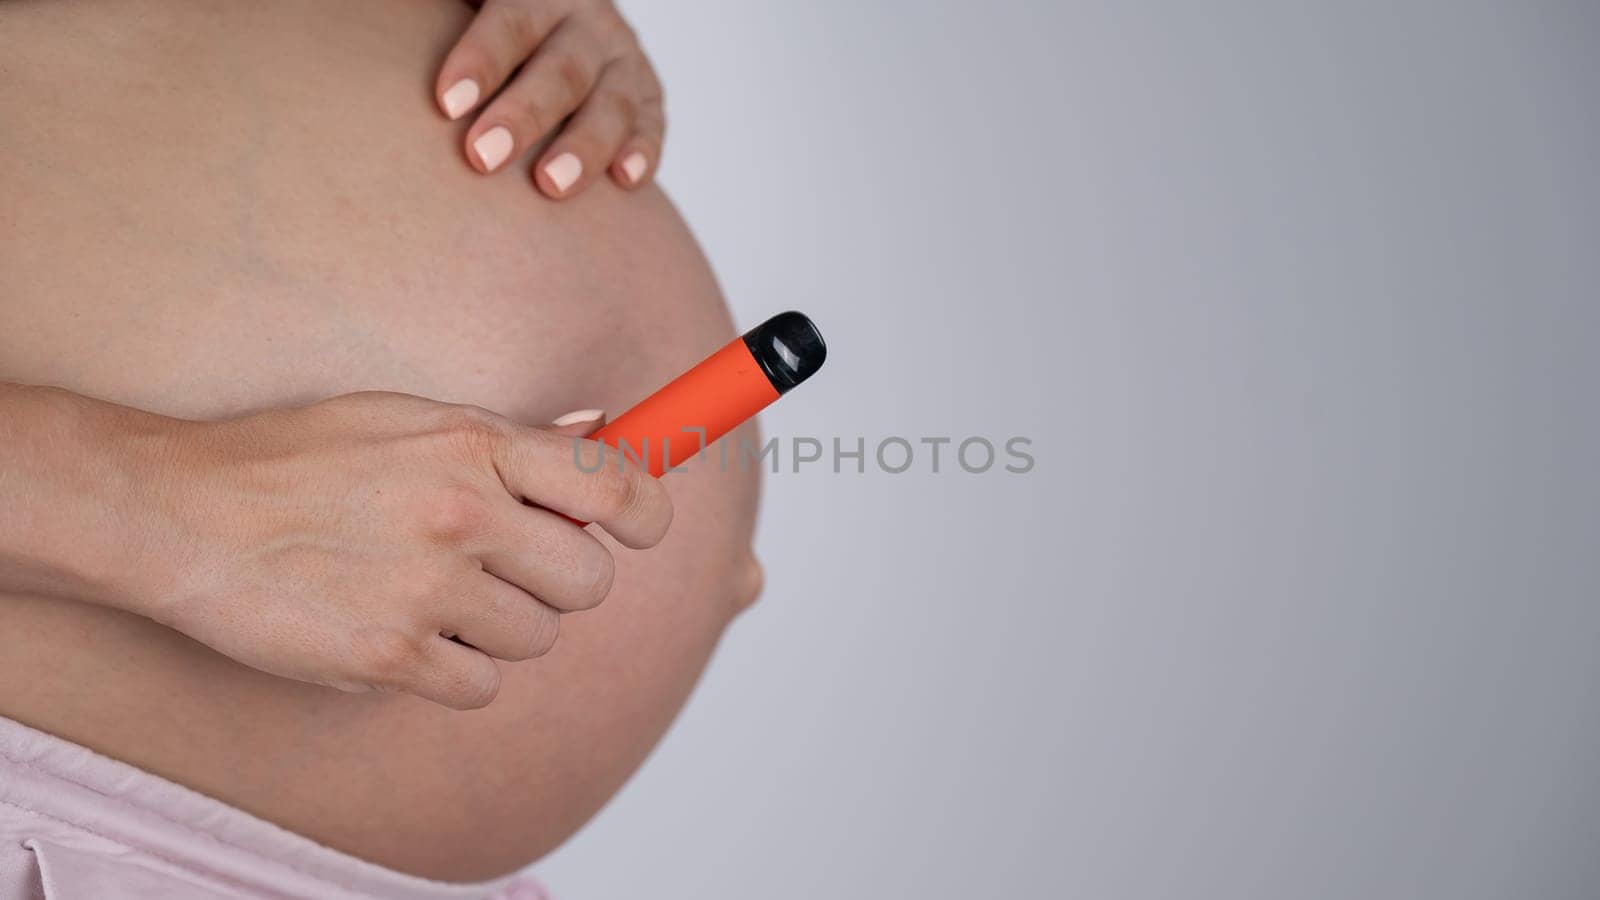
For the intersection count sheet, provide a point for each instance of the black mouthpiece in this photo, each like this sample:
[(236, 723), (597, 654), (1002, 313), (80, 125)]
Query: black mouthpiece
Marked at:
[(788, 347)]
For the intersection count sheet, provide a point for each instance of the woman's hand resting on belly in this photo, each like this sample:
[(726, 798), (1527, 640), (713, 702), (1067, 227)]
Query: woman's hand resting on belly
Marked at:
[(550, 60), (341, 544)]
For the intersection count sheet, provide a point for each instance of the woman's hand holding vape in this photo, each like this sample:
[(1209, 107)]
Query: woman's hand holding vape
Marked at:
[(343, 543), (369, 542)]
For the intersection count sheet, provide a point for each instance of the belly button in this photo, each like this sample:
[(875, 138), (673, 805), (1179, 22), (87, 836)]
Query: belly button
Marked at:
[(750, 580)]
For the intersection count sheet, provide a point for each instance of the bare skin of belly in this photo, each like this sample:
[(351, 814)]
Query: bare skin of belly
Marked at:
[(211, 209)]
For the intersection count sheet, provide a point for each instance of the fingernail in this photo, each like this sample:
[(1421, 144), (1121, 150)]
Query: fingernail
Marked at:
[(564, 171), (493, 146), (634, 165), (582, 415), (460, 97)]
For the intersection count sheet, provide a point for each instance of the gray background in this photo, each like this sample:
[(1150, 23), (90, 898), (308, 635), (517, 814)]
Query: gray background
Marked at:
[(1299, 305)]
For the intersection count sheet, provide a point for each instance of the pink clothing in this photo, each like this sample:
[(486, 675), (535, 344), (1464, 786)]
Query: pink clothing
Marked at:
[(75, 825)]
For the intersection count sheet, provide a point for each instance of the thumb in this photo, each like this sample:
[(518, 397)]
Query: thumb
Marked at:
[(582, 423)]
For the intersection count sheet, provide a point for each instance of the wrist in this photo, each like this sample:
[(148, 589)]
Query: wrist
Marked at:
[(88, 496)]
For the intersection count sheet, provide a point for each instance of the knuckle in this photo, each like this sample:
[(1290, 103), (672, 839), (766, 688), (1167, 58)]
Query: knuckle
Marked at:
[(598, 573), (388, 658), (640, 502), (477, 690), (615, 27), (575, 72), (619, 492), (650, 121), (541, 634), (426, 584), (519, 22), (454, 513), (623, 104), (472, 428), (658, 498), (531, 111), (640, 76), (443, 578), (583, 142)]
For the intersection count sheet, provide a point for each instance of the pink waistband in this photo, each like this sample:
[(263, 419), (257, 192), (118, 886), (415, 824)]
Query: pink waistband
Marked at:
[(74, 823)]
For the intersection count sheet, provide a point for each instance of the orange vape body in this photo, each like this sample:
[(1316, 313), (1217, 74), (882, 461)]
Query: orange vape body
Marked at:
[(725, 389)]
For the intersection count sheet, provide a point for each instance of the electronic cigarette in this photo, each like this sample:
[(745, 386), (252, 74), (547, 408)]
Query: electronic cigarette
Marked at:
[(725, 389)]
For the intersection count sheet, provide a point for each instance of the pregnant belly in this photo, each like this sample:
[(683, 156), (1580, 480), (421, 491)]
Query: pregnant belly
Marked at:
[(212, 209)]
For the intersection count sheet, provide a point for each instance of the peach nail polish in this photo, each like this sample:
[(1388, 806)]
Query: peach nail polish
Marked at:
[(493, 147), (634, 165), (582, 415), (460, 97), (564, 171)]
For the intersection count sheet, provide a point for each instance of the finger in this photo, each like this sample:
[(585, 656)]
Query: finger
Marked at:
[(500, 618), (587, 481), (550, 86), (548, 556), (591, 139), (580, 423), (453, 675), (635, 163), (500, 37)]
